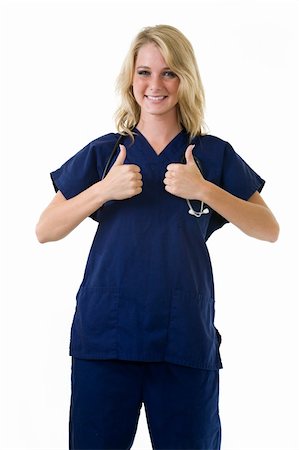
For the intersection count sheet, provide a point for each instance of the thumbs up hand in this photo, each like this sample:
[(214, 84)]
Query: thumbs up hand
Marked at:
[(123, 180), (185, 180)]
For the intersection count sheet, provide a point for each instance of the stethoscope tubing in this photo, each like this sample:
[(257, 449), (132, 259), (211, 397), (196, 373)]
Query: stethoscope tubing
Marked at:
[(105, 171)]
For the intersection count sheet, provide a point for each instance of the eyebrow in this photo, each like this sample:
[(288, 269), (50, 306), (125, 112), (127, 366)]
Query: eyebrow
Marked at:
[(146, 67)]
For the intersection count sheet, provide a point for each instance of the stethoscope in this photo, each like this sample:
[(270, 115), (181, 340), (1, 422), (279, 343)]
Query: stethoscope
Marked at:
[(202, 210)]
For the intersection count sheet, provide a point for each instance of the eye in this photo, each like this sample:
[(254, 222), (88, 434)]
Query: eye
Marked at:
[(143, 72), (169, 74)]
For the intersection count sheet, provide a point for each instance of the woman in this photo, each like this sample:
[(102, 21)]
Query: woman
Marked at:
[(143, 330)]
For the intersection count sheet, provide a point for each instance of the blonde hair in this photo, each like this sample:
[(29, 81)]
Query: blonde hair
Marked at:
[(179, 56)]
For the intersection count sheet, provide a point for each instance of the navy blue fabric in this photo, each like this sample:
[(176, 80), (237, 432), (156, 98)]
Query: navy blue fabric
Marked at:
[(181, 405), (147, 293)]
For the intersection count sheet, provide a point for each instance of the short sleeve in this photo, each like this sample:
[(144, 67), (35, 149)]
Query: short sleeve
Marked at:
[(78, 173), (237, 178)]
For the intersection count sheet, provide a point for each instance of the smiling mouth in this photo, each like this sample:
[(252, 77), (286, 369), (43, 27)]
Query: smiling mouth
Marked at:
[(157, 99)]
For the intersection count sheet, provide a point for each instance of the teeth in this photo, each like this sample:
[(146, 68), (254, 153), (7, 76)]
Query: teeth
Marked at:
[(155, 99)]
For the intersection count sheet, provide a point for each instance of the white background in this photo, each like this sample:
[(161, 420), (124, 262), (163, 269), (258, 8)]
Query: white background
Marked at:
[(60, 62)]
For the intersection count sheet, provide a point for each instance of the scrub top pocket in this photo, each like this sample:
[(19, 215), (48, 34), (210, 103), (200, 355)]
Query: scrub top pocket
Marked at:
[(191, 332), (94, 328)]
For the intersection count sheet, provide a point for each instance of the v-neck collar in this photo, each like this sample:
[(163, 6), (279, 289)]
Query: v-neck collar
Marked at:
[(173, 150)]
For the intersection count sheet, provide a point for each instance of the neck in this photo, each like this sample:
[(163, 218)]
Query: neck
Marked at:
[(159, 127)]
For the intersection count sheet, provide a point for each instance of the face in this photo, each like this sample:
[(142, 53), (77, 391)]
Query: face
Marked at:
[(155, 86)]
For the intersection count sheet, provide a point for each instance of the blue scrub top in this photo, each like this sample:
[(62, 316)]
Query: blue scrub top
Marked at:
[(147, 293)]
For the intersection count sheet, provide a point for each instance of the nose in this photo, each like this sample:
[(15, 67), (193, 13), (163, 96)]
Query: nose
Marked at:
[(156, 83)]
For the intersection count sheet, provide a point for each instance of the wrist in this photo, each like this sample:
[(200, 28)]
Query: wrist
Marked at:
[(205, 191), (101, 192)]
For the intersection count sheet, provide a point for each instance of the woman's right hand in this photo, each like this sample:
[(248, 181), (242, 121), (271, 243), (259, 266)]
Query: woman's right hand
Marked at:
[(61, 216), (123, 180)]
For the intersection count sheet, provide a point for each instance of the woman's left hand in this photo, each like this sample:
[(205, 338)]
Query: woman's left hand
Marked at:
[(184, 180)]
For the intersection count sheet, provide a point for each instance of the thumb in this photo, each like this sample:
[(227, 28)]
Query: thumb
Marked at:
[(121, 156), (189, 154)]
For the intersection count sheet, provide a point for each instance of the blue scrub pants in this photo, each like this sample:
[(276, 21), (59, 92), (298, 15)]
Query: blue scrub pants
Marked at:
[(181, 405)]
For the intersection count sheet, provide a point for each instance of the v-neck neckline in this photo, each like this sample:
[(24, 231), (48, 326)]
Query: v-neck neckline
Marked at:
[(163, 153)]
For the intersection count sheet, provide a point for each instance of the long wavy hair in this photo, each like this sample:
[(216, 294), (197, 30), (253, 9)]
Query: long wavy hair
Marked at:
[(179, 57)]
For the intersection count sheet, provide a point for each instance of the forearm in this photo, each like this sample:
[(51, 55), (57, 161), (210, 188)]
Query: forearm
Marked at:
[(60, 218), (254, 219)]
